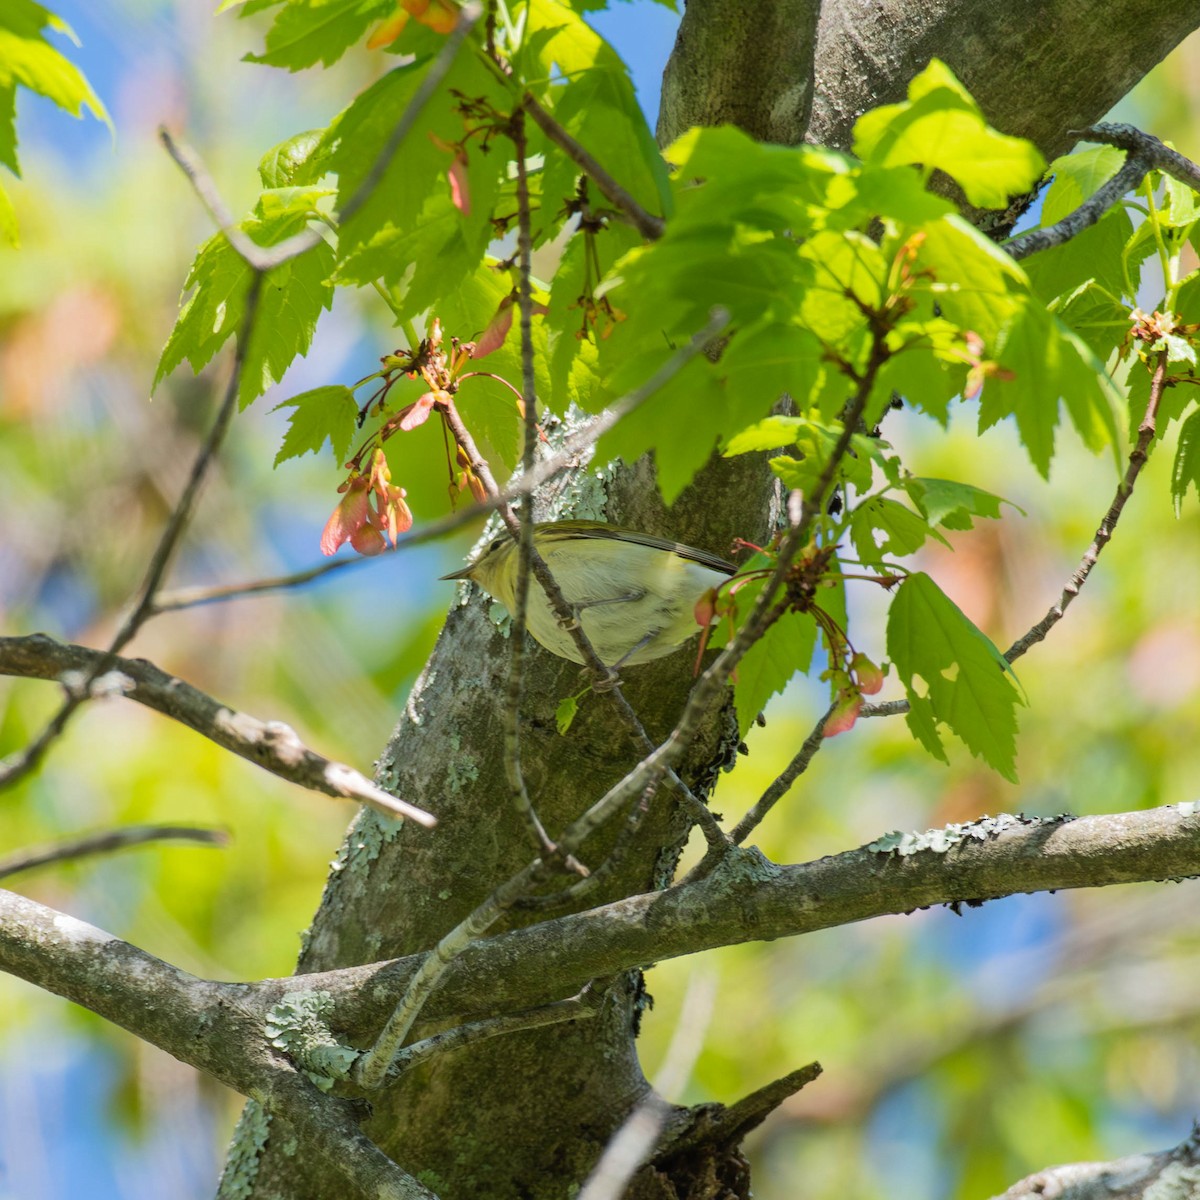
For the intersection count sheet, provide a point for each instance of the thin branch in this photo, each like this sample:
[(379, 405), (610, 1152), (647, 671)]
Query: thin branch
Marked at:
[(22, 763), (1137, 460), (107, 842), (709, 688), (577, 1008), (648, 225), (575, 892), (1144, 153), (659, 762), (602, 675), (518, 791), (372, 1068), (780, 786), (194, 597), (722, 1125), (1088, 213), (272, 745), (264, 258), (567, 456), (1133, 140)]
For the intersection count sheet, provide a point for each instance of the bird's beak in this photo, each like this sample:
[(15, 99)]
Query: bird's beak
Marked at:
[(465, 573)]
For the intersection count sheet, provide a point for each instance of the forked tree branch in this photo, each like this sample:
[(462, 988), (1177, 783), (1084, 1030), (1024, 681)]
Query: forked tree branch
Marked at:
[(271, 745), (748, 899), (1145, 153)]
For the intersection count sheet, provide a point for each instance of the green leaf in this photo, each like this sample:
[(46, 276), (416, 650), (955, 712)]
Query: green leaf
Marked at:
[(1185, 472), (408, 216), (599, 109), (306, 32), (953, 675), (293, 296), (816, 444), (1091, 256), (771, 360), (680, 423), (926, 381), (1048, 362), (1180, 208), (849, 273), (941, 126), (772, 433), (28, 59), (904, 531), (977, 286), (952, 505), (8, 126), (783, 652), (8, 221), (1077, 177), (564, 714), (295, 162), (322, 414), (722, 177)]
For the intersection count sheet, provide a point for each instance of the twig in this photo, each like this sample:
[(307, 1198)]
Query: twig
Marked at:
[(1144, 153), (20, 764), (194, 597), (601, 673), (1133, 140), (573, 893), (1088, 213), (106, 843), (577, 1008), (783, 782), (263, 258), (708, 690), (372, 1068), (649, 226), (273, 745), (518, 791), (1137, 460), (546, 469)]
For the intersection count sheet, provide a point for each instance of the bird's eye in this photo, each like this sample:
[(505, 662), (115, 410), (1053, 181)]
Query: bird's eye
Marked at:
[(496, 544)]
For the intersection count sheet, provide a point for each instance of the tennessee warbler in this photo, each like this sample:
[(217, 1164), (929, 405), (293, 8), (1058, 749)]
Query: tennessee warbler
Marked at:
[(633, 593)]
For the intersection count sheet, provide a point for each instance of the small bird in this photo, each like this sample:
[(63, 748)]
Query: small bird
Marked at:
[(634, 593)]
